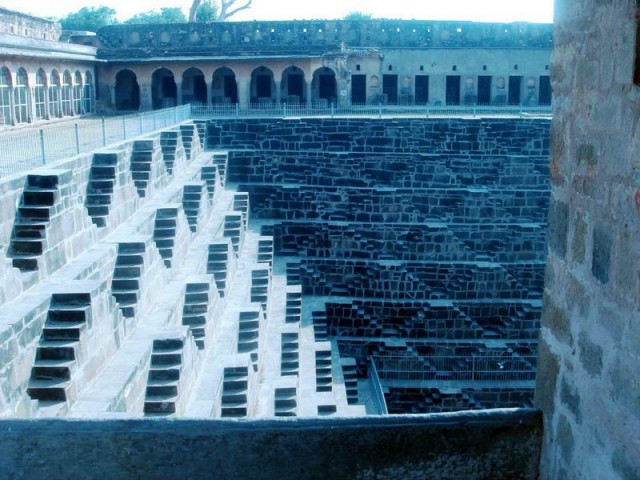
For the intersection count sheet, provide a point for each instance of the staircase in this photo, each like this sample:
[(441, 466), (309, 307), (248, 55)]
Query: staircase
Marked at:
[(293, 312), (217, 263), (29, 238), (191, 199), (233, 228), (290, 355), (188, 132), (194, 312), (209, 175), (100, 187), (350, 374), (260, 286), (249, 331), (164, 377), (285, 403), (265, 251), (125, 286), (164, 233), (141, 164), (324, 378), (235, 387), (59, 348), (319, 319), (220, 160), (169, 143)]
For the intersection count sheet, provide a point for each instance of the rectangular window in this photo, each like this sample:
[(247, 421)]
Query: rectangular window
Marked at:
[(422, 89)]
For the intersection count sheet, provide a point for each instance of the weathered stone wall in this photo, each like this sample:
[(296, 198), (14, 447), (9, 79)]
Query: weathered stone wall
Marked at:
[(370, 135), (588, 380), (316, 36), (501, 444), (23, 25)]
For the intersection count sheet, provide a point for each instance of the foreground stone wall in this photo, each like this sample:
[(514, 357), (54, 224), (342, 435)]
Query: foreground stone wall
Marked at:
[(502, 444), (588, 380)]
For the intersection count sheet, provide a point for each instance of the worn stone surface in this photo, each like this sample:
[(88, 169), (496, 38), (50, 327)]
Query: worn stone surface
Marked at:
[(592, 307), (500, 445)]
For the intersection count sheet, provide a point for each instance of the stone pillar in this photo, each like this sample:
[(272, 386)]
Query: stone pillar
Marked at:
[(46, 115), (278, 92), (244, 93), (146, 102), (32, 105), (438, 89), (178, 93), (309, 91), (210, 91)]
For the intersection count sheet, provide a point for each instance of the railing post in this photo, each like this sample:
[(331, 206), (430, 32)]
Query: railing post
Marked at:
[(43, 155), (333, 110), (475, 110), (104, 132), (380, 110), (140, 122), (237, 110), (284, 109), (75, 127), (124, 127)]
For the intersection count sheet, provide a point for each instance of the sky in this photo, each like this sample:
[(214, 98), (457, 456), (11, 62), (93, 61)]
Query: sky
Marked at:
[(476, 10)]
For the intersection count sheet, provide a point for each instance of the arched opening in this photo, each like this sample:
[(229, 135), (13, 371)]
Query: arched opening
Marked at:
[(324, 87), (66, 94), (88, 97), (262, 86), (164, 91), (293, 86), (127, 91), (40, 94), (54, 94), (224, 87), (21, 97), (5, 97), (77, 93), (194, 87)]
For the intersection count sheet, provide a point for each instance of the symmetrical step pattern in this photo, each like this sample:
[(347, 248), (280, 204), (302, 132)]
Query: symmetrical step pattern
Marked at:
[(241, 204), (235, 387), (350, 374), (249, 331), (220, 160), (191, 200), (125, 286), (59, 348), (324, 377), (164, 377), (319, 319), (233, 229), (265, 250), (285, 402), (100, 187), (293, 312), (290, 356), (194, 312), (260, 286), (164, 232), (209, 175), (29, 238), (188, 132), (142, 158), (201, 127), (217, 263), (293, 273), (170, 144)]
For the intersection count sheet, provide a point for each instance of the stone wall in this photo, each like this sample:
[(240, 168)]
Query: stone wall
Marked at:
[(502, 444), (588, 381), (23, 25), (316, 36), (370, 135)]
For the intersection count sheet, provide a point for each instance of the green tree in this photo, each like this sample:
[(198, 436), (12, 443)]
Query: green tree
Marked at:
[(358, 16), (165, 15), (89, 18), (228, 8), (207, 12)]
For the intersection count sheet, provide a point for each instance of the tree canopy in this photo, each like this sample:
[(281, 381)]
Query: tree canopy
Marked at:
[(356, 15), (89, 18), (228, 8), (165, 15), (207, 12)]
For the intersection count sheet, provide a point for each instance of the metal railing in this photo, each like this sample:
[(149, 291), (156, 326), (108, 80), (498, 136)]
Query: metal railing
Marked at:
[(498, 368), (320, 110), (377, 394), (27, 148)]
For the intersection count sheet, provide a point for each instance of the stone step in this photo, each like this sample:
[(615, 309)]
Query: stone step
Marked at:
[(25, 262), (98, 199), (160, 404), (164, 374), (196, 297), (102, 173), (69, 314), (27, 246), (104, 158), (62, 330), (167, 344), (101, 185), (165, 360), (50, 372), (100, 211), (126, 298), (57, 350), (129, 260), (125, 284), (194, 320), (162, 387), (195, 309), (39, 197), (34, 213), (54, 390)]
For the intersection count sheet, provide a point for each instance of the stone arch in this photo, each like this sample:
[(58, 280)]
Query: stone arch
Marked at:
[(293, 86), (224, 88), (164, 91), (77, 92), (21, 97), (54, 94), (40, 95), (88, 95), (263, 86), (324, 86), (127, 94), (67, 82), (194, 87), (6, 117)]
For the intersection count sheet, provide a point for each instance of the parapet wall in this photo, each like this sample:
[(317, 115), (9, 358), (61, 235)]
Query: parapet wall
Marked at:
[(308, 36), (498, 444), (23, 25)]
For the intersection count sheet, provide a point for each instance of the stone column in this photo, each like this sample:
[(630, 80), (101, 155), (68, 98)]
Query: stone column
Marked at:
[(278, 92), (32, 104), (178, 93), (210, 91), (244, 95), (309, 91), (146, 102)]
